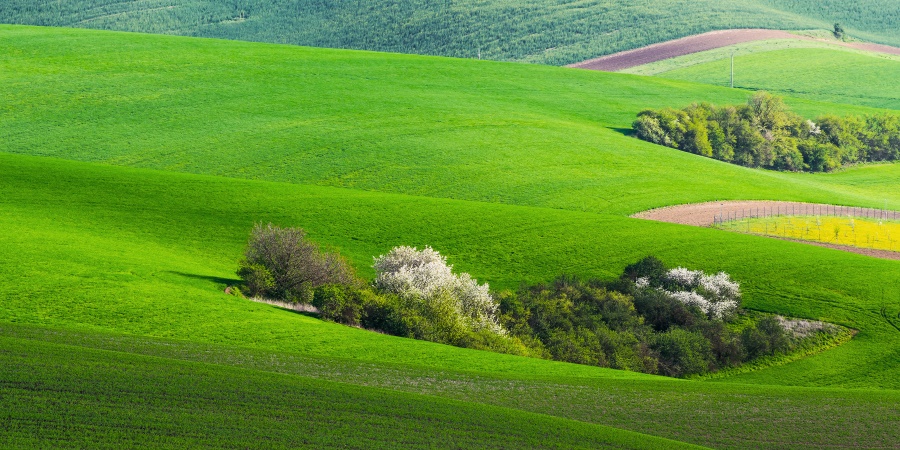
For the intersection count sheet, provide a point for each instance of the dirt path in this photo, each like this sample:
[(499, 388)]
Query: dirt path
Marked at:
[(705, 214), (703, 42)]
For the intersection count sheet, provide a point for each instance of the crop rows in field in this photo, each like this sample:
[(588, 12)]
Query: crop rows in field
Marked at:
[(543, 31)]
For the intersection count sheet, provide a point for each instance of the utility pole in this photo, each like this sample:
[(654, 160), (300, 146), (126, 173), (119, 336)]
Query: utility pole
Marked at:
[(732, 69)]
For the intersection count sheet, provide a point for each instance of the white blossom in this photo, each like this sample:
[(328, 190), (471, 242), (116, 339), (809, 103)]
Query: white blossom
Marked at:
[(425, 276), (720, 286), (716, 295), (685, 277), (642, 282), (813, 128)]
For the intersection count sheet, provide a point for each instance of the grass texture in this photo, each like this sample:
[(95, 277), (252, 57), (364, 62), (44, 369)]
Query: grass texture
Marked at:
[(517, 173), (431, 127), (823, 74), (540, 31)]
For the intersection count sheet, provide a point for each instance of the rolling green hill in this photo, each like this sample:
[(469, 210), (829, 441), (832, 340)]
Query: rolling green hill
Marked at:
[(548, 32), (394, 123), (821, 74), (92, 251), (518, 173)]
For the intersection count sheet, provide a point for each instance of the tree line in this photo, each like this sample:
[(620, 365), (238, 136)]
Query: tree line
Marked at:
[(653, 319), (765, 133)]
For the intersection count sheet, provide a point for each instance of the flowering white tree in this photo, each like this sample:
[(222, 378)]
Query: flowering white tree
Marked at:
[(424, 275), (716, 295)]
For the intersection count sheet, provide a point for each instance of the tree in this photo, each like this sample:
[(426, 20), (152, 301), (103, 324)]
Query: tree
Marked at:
[(281, 263), (838, 31)]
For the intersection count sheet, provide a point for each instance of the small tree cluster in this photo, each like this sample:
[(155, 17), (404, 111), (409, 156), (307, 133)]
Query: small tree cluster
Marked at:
[(765, 133), (653, 319), (281, 263)]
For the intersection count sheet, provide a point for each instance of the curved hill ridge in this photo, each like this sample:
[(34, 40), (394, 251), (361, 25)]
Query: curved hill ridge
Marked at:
[(708, 41), (541, 31)]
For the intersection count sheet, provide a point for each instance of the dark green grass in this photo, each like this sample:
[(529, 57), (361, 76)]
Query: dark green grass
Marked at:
[(148, 253), (540, 31), (60, 396), (473, 130), (819, 74), (713, 414)]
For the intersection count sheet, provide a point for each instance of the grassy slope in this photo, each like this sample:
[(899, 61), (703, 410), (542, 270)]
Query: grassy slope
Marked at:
[(543, 31), (744, 49), (715, 414), (320, 117), (820, 74), (140, 401), (147, 253)]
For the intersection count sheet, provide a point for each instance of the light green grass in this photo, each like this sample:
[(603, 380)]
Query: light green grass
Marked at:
[(819, 74), (743, 49), (471, 130), (541, 31), (150, 253)]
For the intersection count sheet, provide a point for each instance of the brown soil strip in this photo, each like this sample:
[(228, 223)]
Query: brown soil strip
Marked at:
[(704, 215), (703, 42)]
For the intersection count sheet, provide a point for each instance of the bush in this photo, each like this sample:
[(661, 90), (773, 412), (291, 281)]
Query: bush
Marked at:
[(281, 263), (682, 352), (424, 279), (339, 303)]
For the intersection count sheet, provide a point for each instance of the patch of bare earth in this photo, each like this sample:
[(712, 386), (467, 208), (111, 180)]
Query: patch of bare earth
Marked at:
[(703, 42), (705, 214)]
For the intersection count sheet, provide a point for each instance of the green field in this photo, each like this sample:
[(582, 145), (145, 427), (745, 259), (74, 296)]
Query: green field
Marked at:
[(744, 49), (824, 74), (543, 31), (517, 173)]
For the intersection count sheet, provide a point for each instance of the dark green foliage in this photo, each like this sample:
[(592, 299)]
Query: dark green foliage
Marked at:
[(649, 267), (663, 312), (682, 352), (765, 133), (339, 303), (765, 337), (281, 263)]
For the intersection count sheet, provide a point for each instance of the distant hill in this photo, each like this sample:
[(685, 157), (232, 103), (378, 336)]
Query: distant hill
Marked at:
[(539, 31)]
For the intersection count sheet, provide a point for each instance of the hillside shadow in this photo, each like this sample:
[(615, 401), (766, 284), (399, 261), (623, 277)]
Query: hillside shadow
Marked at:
[(623, 131), (220, 280)]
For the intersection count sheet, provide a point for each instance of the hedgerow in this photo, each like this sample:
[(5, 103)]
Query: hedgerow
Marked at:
[(653, 319), (765, 133)]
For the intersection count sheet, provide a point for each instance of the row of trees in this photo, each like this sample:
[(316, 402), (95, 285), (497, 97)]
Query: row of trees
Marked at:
[(765, 133), (653, 319)]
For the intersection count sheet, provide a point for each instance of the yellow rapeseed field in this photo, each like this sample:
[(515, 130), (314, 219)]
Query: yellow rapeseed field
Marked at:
[(856, 232)]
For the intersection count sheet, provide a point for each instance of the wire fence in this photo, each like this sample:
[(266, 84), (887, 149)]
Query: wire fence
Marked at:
[(802, 209)]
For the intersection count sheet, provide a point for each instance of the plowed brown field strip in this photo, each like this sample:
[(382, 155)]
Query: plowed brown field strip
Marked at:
[(703, 42)]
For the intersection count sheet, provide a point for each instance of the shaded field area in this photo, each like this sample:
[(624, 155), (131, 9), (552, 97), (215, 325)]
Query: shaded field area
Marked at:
[(704, 42)]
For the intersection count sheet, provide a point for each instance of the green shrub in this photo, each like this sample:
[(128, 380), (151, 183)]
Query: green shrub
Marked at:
[(339, 303), (281, 263), (682, 352)]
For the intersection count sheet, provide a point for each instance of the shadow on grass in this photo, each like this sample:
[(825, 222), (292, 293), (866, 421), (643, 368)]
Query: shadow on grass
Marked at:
[(220, 280), (623, 131)]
